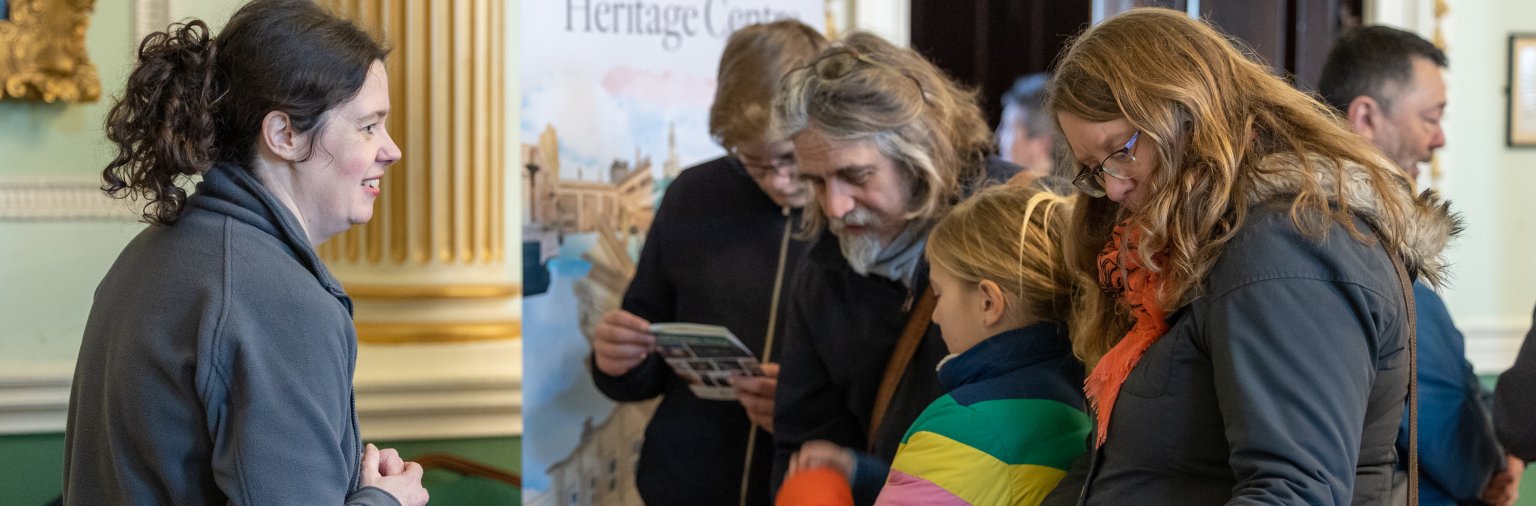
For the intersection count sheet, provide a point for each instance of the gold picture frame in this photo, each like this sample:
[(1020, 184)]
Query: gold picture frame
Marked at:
[(1522, 90), (42, 51)]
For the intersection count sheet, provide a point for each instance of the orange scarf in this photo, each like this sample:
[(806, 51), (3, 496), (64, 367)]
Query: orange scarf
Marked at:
[(1121, 275)]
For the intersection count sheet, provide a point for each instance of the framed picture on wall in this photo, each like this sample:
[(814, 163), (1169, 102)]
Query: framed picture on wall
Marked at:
[(1522, 90), (44, 46)]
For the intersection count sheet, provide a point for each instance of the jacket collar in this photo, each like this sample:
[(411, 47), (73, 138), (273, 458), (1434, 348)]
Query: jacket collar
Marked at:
[(232, 190), (1427, 223), (1004, 353)]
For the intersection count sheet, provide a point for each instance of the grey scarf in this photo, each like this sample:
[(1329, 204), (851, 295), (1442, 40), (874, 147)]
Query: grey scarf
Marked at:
[(897, 261)]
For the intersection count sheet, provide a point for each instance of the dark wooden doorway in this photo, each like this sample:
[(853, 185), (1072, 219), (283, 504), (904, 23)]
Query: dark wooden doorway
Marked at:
[(987, 44), (1292, 36)]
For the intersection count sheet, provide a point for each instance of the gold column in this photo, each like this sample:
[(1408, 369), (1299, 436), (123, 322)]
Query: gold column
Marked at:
[(1436, 172), (431, 265)]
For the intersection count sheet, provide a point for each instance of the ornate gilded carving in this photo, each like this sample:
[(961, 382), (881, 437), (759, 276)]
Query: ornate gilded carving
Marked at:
[(42, 52)]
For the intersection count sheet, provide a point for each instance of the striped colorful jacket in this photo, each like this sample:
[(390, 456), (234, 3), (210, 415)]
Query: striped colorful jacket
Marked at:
[(1011, 424)]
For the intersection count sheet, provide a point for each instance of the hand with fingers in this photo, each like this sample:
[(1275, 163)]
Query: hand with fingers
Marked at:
[(756, 395), (386, 470), (1504, 488), (821, 453), (621, 341), (390, 463)]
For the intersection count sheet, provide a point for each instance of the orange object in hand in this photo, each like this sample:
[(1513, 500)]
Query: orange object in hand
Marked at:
[(822, 486)]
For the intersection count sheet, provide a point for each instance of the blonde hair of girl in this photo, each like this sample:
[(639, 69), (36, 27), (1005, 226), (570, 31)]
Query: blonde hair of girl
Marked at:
[(1012, 235)]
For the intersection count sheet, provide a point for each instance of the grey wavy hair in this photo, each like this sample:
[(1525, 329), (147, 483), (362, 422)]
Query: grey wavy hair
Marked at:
[(864, 88)]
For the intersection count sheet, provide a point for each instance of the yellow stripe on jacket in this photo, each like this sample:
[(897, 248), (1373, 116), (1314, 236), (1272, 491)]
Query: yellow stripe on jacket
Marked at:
[(970, 474)]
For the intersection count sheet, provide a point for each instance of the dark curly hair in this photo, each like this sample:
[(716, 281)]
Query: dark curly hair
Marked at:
[(195, 99)]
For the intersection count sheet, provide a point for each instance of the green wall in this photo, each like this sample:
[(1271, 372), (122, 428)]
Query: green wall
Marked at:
[(33, 467), (50, 268), (1487, 181), (46, 282), (61, 138)]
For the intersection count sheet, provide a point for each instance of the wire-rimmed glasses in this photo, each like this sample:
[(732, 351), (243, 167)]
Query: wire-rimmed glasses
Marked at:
[(1091, 182)]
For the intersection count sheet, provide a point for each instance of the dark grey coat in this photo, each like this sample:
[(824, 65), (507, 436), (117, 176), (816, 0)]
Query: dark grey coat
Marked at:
[(217, 365), (1514, 401), (1283, 384), (1285, 380)]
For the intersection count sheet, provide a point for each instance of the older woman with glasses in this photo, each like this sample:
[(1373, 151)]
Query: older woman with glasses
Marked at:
[(717, 253), (1247, 318)]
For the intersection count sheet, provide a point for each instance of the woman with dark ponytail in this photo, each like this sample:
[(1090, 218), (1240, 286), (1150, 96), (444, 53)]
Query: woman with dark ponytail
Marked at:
[(216, 366)]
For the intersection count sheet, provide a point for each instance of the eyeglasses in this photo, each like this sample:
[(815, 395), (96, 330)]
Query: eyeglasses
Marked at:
[(831, 66), (761, 168), (1114, 165)]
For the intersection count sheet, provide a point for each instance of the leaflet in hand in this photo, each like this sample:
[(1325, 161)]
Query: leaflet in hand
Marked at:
[(706, 356)]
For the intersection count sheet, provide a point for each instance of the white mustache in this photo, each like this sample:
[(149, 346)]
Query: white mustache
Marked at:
[(858, 217)]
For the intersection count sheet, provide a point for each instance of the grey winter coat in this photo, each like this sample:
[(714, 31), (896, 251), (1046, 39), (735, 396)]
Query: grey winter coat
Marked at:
[(1285, 380)]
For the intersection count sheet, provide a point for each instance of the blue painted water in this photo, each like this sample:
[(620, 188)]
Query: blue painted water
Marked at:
[(557, 389)]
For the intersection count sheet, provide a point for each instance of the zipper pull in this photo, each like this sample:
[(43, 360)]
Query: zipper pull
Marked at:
[(906, 305)]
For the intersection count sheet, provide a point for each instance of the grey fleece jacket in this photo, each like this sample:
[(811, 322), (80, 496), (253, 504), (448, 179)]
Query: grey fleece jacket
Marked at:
[(216, 365)]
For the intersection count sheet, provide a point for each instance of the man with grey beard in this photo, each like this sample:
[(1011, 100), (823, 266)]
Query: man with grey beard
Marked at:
[(887, 144)]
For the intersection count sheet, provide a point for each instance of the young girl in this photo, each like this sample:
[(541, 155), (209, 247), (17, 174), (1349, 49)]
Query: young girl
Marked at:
[(1013, 418)]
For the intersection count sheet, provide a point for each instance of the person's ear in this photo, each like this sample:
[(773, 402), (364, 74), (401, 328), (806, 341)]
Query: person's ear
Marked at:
[(280, 137), (993, 305), (1364, 114)]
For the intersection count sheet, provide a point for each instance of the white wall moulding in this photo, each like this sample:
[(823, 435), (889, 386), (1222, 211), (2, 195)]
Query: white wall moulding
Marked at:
[(440, 390), (447, 409), (1492, 346), (34, 399), (411, 392), (60, 198)]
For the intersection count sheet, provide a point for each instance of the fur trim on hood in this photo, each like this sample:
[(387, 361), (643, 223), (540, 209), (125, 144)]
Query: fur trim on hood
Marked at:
[(1427, 222)]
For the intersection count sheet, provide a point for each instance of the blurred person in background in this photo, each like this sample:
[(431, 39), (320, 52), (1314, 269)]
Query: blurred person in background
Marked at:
[(1388, 85)]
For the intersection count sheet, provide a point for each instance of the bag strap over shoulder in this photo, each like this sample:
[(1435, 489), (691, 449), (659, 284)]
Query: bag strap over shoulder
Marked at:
[(917, 326), (1413, 375)]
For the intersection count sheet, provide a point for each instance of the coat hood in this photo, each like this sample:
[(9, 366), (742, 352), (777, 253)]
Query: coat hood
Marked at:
[(1417, 227)]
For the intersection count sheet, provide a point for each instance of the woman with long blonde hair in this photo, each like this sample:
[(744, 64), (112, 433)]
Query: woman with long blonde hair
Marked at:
[(1244, 257)]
